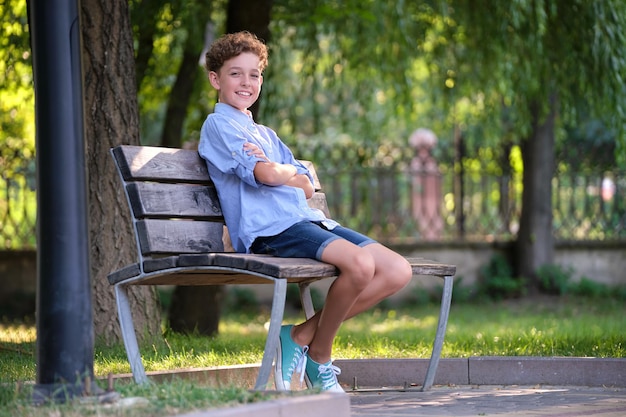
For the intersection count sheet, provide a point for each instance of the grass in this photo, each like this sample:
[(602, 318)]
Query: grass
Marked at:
[(547, 326), (155, 400)]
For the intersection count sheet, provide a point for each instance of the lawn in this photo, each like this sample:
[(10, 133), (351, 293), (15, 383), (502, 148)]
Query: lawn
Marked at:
[(543, 326)]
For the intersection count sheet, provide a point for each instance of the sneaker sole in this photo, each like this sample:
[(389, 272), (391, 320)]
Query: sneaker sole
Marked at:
[(278, 369)]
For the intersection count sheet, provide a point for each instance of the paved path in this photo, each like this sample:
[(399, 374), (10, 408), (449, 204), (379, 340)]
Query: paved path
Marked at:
[(491, 400), (534, 387)]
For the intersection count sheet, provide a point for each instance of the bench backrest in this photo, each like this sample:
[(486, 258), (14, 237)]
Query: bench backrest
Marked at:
[(173, 201)]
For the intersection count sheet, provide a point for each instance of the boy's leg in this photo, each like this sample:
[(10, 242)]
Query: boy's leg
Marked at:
[(357, 269), (392, 273), (362, 282), (368, 274)]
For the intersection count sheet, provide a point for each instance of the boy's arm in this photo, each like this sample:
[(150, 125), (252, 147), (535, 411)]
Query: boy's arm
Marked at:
[(274, 174)]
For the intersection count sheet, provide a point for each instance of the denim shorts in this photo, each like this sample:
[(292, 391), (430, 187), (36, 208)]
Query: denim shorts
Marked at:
[(306, 239)]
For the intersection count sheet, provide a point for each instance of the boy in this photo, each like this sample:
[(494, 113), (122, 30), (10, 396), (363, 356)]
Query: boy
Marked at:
[(263, 191)]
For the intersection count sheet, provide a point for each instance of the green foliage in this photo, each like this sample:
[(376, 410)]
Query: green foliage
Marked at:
[(620, 292), (554, 279), (417, 296), (327, 78), (241, 299), (293, 297), (164, 32), (17, 104), (575, 49), (589, 288), (460, 293), (497, 280)]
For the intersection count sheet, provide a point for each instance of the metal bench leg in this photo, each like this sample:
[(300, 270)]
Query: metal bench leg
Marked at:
[(306, 300), (446, 299), (271, 343), (128, 334)]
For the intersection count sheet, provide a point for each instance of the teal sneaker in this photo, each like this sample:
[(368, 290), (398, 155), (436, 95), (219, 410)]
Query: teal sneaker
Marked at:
[(323, 376), (290, 358)]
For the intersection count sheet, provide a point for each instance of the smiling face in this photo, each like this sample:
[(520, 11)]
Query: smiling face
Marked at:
[(238, 81)]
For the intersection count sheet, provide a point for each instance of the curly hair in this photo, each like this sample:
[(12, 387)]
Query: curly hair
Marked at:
[(233, 44)]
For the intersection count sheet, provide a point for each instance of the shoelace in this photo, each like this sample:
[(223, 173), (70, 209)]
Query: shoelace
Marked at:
[(301, 364), (328, 374)]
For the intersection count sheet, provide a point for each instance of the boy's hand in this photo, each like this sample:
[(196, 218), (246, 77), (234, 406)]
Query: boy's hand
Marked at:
[(302, 181), (252, 149)]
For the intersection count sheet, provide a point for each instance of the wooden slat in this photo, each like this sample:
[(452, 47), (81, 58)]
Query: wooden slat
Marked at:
[(318, 201), (158, 200), (276, 267), (423, 266), (160, 264), (179, 236), (196, 259), (316, 182), (147, 163), (122, 274)]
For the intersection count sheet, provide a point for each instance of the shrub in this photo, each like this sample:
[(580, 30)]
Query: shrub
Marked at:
[(589, 288), (293, 297), (497, 280), (242, 300), (554, 279)]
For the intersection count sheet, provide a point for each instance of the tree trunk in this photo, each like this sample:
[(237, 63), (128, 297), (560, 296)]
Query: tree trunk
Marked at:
[(145, 15), (535, 241), (111, 118), (196, 309), (189, 72)]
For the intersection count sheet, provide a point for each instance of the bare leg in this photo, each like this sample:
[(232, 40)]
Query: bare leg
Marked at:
[(368, 275)]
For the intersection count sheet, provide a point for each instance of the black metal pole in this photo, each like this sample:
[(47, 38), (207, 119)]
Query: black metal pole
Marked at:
[(65, 338)]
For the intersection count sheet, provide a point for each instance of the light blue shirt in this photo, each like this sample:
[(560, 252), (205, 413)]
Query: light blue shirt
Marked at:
[(251, 209)]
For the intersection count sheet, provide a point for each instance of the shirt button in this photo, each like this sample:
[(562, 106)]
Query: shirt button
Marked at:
[(234, 153)]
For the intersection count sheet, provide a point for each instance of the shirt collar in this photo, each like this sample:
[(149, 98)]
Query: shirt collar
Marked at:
[(229, 111)]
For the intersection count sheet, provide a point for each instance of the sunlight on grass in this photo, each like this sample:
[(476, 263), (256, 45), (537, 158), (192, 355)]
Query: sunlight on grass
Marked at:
[(555, 327), (17, 352), (17, 334)]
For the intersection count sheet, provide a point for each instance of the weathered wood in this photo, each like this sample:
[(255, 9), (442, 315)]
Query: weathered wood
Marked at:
[(179, 236), (122, 274), (146, 163), (277, 267), (423, 266), (318, 201), (159, 200)]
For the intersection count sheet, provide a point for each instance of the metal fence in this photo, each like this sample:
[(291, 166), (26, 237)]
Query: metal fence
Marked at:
[(404, 200), (402, 205)]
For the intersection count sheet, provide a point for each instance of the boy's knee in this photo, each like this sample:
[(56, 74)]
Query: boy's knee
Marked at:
[(361, 269), (399, 273)]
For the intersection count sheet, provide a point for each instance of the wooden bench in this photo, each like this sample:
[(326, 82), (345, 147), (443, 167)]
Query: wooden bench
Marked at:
[(178, 226)]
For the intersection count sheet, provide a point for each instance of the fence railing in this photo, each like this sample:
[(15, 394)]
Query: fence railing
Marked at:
[(401, 204), (405, 202)]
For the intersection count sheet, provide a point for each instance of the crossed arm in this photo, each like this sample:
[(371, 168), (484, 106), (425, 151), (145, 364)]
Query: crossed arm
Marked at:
[(275, 174)]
